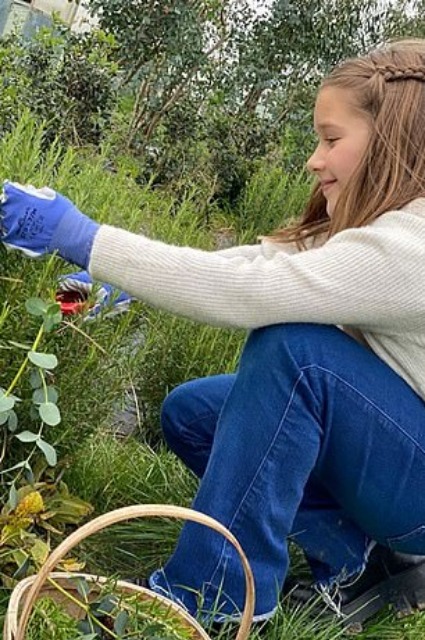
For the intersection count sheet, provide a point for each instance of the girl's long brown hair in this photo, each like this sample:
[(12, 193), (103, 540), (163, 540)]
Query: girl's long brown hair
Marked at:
[(388, 86)]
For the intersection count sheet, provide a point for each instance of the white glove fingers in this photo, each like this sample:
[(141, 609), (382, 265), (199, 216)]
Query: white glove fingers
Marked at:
[(68, 284), (45, 192), (27, 252)]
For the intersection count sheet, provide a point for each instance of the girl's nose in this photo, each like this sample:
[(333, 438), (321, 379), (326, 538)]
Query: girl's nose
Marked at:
[(316, 161)]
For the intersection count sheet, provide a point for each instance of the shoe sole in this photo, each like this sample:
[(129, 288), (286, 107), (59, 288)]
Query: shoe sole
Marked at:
[(405, 592)]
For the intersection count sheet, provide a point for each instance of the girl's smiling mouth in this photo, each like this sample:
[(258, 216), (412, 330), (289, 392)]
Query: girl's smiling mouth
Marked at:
[(326, 184)]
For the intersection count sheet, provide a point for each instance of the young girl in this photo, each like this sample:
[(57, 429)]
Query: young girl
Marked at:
[(320, 434)]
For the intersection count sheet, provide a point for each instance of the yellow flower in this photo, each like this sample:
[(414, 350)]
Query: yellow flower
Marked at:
[(30, 505)]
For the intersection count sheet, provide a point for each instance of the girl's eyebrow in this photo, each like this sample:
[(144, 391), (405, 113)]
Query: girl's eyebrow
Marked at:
[(327, 125)]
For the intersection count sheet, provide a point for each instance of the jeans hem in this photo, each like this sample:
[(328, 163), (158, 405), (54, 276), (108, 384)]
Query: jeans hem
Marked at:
[(236, 618), (344, 577), (203, 614)]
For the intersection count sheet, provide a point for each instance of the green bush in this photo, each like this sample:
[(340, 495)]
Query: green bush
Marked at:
[(271, 199), (64, 78), (213, 150), (131, 350), (74, 354), (81, 357)]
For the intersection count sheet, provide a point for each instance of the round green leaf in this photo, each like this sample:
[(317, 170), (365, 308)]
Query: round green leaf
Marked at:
[(43, 360), (49, 413), (36, 306), (41, 395), (12, 421), (52, 321), (121, 622), (49, 452), (35, 379), (53, 309), (107, 604), (6, 403), (27, 436)]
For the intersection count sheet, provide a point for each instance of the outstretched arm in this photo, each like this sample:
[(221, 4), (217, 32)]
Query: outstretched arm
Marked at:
[(365, 277)]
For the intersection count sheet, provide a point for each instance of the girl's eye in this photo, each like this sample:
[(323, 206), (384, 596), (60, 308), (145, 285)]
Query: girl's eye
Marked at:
[(331, 140)]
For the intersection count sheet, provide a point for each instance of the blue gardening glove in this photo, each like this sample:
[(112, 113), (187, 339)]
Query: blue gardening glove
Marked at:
[(40, 221), (109, 301)]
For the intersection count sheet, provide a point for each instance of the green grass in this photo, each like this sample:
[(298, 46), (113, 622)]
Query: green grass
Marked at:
[(146, 349), (50, 622)]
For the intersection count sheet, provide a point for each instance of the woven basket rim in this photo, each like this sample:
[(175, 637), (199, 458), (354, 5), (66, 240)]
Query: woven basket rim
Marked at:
[(17, 619), (20, 593)]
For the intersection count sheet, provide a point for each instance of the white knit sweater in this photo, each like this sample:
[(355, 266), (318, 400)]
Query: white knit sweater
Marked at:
[(370, 279)]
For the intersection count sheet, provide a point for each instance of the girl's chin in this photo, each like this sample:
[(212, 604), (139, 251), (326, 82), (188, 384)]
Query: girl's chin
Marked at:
[(330, 205)]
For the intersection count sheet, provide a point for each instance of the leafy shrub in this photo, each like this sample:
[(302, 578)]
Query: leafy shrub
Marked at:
[(41, 356), (215, 152), (64, 78), (272, 198), (170, 349)]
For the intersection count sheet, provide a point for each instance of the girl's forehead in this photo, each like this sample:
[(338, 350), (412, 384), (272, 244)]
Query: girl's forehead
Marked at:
[(335, 106)]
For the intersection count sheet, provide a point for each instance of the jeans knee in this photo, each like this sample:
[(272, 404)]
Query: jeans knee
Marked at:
[(172, 410), (303, 343)]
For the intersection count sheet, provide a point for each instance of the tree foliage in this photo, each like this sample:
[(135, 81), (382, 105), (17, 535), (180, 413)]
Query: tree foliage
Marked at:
[(231, 76), (210, 86), (170, 48), (63, 78), (164, 46)]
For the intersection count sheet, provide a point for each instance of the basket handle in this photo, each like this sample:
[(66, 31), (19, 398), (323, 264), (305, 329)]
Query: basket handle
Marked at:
[(129, 513)]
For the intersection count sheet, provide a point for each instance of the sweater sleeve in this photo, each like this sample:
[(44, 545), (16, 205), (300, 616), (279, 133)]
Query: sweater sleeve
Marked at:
[(251, 251), (365, 277)]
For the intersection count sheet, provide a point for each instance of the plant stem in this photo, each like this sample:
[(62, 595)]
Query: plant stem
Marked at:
[(67, 595), (25, 362), (43, 380), (83, 606)]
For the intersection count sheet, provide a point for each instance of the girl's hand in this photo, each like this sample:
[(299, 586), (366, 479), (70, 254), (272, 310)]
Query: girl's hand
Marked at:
[(108, 301), (40, 221)]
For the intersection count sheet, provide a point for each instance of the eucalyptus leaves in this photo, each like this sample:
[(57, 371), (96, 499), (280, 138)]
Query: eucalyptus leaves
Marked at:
[(44, 397), (106, 612)]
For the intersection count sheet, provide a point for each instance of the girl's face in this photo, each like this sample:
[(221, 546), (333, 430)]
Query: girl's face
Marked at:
[(343, 134)]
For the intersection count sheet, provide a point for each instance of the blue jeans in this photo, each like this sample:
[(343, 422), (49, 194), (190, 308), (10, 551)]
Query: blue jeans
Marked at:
[(315, 439)]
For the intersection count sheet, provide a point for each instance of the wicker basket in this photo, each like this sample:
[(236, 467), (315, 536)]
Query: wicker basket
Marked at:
[(29, 590)]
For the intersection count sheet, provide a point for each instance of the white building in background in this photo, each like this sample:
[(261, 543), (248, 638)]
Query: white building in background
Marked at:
[(70, 11), (28, 15)]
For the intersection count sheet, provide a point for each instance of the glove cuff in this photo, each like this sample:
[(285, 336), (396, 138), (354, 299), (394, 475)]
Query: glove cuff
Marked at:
[(74, 236)]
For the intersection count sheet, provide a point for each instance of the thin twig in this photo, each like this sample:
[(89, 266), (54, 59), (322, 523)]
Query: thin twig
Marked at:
[(3, 448), (82, 605), (7, 279), (74, 327)]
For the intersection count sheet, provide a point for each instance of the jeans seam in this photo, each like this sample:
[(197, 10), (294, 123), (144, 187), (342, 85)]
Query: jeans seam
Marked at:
[(260, 467), (368, 401)]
